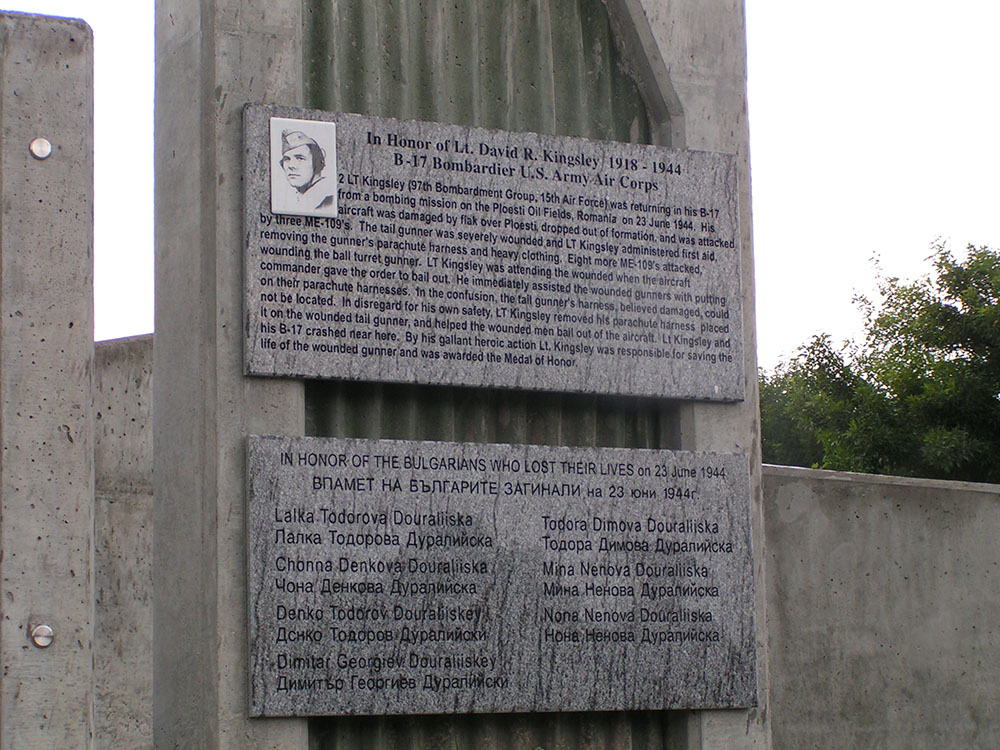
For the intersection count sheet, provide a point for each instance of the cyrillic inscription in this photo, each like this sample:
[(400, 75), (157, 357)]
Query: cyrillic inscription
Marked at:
[(416, 577)]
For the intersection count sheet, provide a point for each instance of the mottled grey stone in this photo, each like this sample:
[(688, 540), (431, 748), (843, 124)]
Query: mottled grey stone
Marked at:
[(421, 577), (477, 257)]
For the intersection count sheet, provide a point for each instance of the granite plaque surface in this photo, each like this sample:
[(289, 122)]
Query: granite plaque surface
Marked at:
[(440, 254), (395, 577)]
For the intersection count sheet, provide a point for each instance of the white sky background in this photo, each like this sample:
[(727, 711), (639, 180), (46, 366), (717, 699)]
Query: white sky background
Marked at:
[(875, 129)]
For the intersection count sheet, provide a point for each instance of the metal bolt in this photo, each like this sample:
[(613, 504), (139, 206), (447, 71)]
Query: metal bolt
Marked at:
[(40, 148), (42, 636)]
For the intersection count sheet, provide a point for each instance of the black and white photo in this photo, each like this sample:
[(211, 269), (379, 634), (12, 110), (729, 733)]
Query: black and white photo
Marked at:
[(303, 167)]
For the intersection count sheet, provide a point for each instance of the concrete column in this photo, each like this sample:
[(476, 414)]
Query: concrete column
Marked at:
[(46, 386), (212, 56), (702, 44)]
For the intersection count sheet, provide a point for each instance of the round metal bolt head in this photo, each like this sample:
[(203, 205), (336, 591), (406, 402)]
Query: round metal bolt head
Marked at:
[(40, 148), (42, 635)]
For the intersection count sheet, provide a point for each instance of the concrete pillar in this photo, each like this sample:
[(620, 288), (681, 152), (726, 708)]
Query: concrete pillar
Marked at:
[(212, 56), (46, 385), (702, 44)]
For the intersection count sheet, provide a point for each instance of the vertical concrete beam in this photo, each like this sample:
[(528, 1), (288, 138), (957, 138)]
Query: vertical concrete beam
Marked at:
[(212, 56), (702, 44), (642, 55), (46, 387)]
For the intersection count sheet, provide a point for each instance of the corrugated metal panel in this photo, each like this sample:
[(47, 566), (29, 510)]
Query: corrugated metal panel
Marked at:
[(645, 730), (546, 66)]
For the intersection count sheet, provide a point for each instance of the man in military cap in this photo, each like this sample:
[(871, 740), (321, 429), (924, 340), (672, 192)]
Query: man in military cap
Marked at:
[(302, 161)]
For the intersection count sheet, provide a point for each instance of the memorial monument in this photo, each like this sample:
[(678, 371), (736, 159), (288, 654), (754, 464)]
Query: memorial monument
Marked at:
[(410, 490), (454, 402)]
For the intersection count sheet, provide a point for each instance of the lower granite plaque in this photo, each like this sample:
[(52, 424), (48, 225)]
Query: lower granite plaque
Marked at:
[(415, 252), (398, 577)]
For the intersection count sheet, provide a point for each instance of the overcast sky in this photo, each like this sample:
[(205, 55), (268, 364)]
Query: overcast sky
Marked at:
[(873, 132)]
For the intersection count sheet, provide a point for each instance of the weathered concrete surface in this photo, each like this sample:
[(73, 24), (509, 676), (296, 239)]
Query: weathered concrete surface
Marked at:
[(123, 413), (702, 44), (46, 387), (212, 56), (123, 534), (883, 611)]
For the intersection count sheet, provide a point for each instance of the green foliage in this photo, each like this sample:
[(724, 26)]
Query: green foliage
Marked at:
[(920, 396)]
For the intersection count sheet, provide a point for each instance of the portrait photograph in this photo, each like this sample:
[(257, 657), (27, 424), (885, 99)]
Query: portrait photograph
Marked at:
[(303, 167)]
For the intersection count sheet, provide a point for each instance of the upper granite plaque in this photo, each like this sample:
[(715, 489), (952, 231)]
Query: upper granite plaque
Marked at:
[(413, 252)]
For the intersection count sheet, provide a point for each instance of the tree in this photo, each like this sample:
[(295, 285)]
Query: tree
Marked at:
[(919, 397)]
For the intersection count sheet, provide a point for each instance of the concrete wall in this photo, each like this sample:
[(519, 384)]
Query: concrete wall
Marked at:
[(883, 611), (123, 532)]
